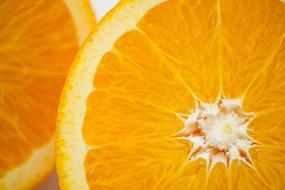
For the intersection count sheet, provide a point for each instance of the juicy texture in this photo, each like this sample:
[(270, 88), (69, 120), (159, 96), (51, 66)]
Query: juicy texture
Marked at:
[(38, 43), (179, 52)]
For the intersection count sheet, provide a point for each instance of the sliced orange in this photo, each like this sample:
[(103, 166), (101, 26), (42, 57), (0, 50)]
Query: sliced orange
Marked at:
[(177, 95), (38, 41)]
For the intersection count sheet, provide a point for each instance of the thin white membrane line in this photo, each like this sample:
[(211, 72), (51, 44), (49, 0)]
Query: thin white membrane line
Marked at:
[(264, 68)]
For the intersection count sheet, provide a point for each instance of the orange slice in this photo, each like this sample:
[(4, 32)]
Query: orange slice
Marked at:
[(177, 95), (38, 42)]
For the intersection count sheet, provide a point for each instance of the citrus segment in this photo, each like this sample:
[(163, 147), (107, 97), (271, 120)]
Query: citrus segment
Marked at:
[(250, 31), (270, 168), (189, 37), (268, 131), (118, 118), (135, 67), (268, 128), (219, 178), (122, 166), (267, 91), (243, 177)]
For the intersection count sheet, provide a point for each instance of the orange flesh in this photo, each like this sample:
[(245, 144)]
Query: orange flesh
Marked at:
[(181, 50), (38, 43)]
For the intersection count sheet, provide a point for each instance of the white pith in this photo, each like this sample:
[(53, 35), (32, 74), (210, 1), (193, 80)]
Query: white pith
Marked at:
[(218, 132), (32, 171)]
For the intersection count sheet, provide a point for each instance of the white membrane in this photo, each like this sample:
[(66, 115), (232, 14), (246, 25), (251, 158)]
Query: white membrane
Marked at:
[(218, 132)]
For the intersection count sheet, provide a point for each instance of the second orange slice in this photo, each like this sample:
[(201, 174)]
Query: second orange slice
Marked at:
[(38, 41)]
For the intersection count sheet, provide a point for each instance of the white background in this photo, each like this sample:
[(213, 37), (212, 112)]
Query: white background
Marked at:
[(100, 7)]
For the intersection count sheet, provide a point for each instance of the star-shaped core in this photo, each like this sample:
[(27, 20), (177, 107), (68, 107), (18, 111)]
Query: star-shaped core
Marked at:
[(218, 132)]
